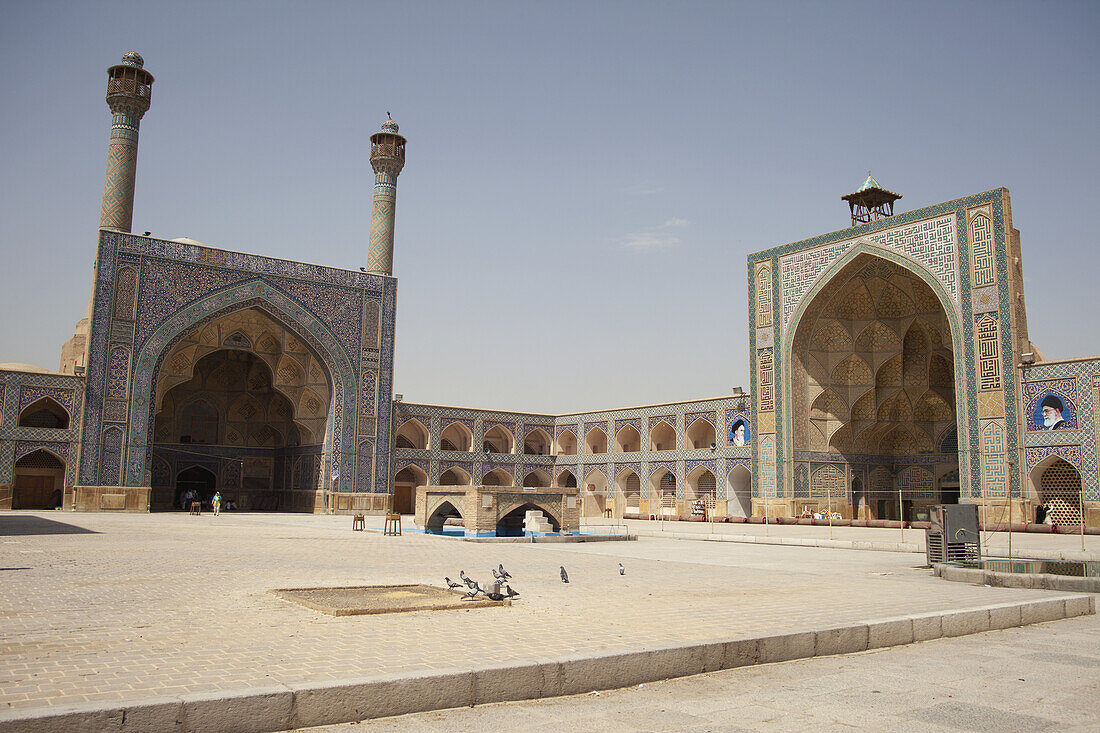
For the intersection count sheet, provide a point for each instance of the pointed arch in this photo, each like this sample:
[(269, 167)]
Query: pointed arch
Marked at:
[(412, 434), (595, 441), (702, 486), (628, 440), (739, 491), (537, 478), (412, 474), (498, 439), (1056, 483), (662, 437), (454, 476), (536, 443), (595, 502), (662, 491), (436, 520), (628, 485), (456, 436), (566, 479), (45, 412), (566, 444), (497, 477), (701, 434), (277, 305), (856, 303)]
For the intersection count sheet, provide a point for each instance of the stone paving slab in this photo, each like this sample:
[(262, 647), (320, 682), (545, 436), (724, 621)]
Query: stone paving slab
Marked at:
[(167, 614), (1039, 677)]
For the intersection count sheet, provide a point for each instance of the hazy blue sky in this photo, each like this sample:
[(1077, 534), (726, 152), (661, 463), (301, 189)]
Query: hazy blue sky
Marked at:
[(584, 180)]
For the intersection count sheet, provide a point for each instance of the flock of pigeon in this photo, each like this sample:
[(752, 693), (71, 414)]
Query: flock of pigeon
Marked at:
[(500, 578)]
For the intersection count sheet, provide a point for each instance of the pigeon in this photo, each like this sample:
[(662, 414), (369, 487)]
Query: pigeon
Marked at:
[(494, 596), (622, 570), (496, 575), (509, 592), (564, 575), (452, 584), (504, 574), (470, 582), (474, 590)]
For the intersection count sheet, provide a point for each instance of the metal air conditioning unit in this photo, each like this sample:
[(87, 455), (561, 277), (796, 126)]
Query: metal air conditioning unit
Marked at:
[(953, 534)]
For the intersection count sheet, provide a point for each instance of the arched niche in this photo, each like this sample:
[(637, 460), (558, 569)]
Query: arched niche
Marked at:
[(739, 492), (628, 440), (498, 439), (629, 486), (595, 442), (537, 478), (454, 476), (412, 434), (44, 413), (566, 443), (701, 486), (456, 437), (662, 491), (871, 364), (536, 443), (405, 483), (662, 437), (701, 434), (38, 480), (497, 477), (566, 479)]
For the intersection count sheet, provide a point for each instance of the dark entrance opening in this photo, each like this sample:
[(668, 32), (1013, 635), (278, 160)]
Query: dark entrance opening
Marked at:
[(511, 524), (39, 478), (195, 484), (443, 512)]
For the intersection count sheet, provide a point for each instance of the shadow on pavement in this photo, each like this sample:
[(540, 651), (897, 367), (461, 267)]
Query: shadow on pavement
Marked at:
[(11, 526)]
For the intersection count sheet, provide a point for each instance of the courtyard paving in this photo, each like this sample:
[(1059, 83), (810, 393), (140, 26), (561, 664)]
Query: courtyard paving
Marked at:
[(1033, 678), (110, 609)]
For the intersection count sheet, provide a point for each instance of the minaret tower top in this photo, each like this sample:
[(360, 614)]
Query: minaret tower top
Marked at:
[(387, 149), (129, 84), (129, 91), (387, 158)]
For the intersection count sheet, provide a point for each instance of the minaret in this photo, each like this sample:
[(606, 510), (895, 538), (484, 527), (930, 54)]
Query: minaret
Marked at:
[(870, 201), (129, 88), (387, 157)]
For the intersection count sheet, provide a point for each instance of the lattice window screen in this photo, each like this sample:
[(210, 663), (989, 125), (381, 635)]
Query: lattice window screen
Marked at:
[(1060, 490)]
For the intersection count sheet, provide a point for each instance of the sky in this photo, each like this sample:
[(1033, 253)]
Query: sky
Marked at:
[(583, 181)]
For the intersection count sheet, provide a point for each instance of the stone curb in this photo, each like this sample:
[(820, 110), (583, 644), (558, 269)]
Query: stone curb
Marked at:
[(877, 546), (1038, 581), (285, 707), (788, 541)]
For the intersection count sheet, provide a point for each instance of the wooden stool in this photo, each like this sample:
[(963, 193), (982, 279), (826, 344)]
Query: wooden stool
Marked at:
[(393, 525), (358, 523), (196, 507)]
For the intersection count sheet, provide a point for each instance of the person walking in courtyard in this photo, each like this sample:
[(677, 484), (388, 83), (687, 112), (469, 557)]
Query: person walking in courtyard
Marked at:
[(217, 502)]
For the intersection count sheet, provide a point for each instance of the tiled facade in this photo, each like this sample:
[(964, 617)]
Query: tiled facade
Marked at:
[(979, 287), (19, 391), (940, 299), (586, 469), (181, 287), (1076, 440)]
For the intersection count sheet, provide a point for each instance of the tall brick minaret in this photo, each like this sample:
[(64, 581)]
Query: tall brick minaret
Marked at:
[(387, 157), (129, 88)]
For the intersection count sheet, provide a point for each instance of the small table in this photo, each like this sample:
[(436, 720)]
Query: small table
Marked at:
[(196, 507), (393, 525), (358, 523)]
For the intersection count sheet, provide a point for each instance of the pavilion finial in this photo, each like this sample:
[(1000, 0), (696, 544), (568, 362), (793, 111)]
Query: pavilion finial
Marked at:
[(870, 201)]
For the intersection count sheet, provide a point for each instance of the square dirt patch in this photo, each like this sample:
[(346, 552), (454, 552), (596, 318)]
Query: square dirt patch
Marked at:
[(364, 599)]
